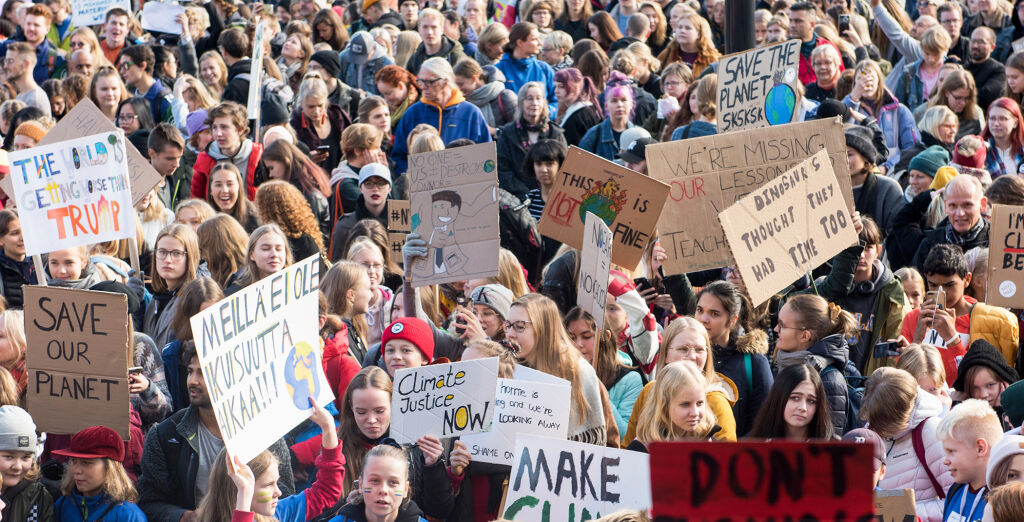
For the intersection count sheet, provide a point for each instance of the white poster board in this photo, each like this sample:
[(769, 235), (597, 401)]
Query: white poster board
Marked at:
[(74, 192), (161, 17), (444, 400), (93, 12), (260, 353)]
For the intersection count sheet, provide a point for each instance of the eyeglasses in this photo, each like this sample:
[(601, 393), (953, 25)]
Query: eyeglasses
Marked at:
[(376, 267), (175, 255), (76, 45), (783, 327), (673, 83), (125, 65), (519, 326), (428, 83), (127, 118)]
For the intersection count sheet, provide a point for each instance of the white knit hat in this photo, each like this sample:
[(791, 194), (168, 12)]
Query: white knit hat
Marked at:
[(17, 430), (1006, 448)]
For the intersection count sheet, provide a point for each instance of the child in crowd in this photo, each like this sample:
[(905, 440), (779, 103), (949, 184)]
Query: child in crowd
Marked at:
[(968, 433), (364, 251), (384, 490), (25, 497), (983, 374), (1007, 462), (348, 290), (16, 269), (193, 212), (925, 364), (796, 408), (678, 409), (866, 436), (153, 215), (1006, 503), (96, 486), (407, 343)]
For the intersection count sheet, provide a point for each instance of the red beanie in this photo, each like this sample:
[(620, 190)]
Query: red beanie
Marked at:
[(414, 330), (976, 161)]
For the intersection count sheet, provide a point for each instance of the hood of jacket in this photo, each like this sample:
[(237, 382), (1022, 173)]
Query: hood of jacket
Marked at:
[(882, 277), (243, 151), (832, 350), (753, 342), (925, 405), (520, 65), (447, 46), (240, 67), (343, 171), (486, 93), (407, 512)]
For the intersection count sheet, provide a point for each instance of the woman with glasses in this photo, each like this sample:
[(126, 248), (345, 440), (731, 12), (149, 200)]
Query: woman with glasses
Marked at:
[(675, 82), (958, 92), (1004, 137), (84, 38), (367, 253), (174, 265), (515, 138), (133, 115), (827, 65)]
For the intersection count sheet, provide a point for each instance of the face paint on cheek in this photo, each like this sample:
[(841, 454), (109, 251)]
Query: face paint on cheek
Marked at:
[(367, 491), (264, 497), (398, 492)]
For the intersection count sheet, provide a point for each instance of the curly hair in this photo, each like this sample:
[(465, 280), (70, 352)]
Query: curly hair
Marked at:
[(281, 203)]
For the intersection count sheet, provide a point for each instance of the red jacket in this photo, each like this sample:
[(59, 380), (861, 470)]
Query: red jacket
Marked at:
[(807, 75), (204, 164)]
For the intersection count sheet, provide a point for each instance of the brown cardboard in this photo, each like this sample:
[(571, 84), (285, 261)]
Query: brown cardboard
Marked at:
[(895, 505), (78, 358), (595, 262), (395, 242), (86, 119), (745, 80), (1006, 257), (788, 227), (398, 215), (627, 201), (705, 175), (454, 208)]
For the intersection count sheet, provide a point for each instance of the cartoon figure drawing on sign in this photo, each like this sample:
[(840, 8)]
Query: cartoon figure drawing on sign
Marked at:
[(299, 376), (447, 256), (605, 200)]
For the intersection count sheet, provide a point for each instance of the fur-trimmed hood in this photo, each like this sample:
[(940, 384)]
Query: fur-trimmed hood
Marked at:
[(754, 341)]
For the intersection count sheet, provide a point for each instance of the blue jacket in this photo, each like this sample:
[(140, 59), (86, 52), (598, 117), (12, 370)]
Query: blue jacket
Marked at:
[(159, 99), (600, 140), (520, 72), (622, 395), (897, 123), (694, 130), (75, 507), (457, 119)]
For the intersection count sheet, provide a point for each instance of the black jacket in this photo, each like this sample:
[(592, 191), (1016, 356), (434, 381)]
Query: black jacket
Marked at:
[(832, 351), (937, 236), (990, 77), (13, 275), (343, 227), (732, 361), (927, 140), (237, 89), (450, 50), (511, 153), (579, 122), (907, 231)]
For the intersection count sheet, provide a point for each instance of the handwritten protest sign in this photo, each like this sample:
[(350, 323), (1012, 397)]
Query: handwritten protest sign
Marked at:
[(75, 192), (555, 479), (521, 406), (259, 349), (758, 88), (1006, 257), (86, 119), (707, 174), (77, 361), (595, 262), (252, 105), (92, 12), (895, 505), (788, 227), (444, 400), (777, 480), (454, 205), (398, 215), (627, 201)]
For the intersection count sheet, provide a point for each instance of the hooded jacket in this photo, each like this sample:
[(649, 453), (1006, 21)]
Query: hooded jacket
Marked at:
[(903, 468), (832, 351), (342, 229), (306, 132), (753, 380), (519, 72), (496, 103), (237, 89), (14, 275), (361, 76), (895, 119), (513, 142), (890, 305), (28, 501), (451, 51), (247, 159), (407, 512), (456, 119)]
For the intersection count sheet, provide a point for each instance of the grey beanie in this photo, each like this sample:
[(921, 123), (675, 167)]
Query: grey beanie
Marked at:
[(17, 430), (497, 297)]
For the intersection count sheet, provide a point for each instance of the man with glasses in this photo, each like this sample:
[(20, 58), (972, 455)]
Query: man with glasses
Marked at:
[(18, 65), (61, 28), (989, 75), (34, 26), (441, 106), (136, 67), (951, 16)]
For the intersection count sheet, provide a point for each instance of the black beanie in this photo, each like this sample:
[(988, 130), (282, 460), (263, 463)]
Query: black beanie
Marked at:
[(982, 353), (329, 60), (860, 139)]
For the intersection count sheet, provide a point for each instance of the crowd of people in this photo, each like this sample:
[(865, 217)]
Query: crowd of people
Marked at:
[(890, 344)]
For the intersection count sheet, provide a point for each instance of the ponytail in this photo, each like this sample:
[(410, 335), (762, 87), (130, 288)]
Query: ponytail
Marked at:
[(842, 322), (821, 317)]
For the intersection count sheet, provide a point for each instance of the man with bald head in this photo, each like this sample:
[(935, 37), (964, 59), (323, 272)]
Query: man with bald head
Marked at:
[(964, 201), (82, 62), (989, 75)]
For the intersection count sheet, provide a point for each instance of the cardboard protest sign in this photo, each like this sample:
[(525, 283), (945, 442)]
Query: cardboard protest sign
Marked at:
[(86, 119), (260, 353), (1006, 257), (557, 479), (454, 205), (627, 201), (92, 12), (707, 174), (444, 400), (788, 227), (398, 215), (73, 193), (78, 358), (895, 505), (521, 406), (758, 88), (595, 262), (777, 480)]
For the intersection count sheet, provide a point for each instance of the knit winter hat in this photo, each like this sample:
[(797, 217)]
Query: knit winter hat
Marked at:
[(1006, 448), (942, 177), (1012, 401), (982, 353), (17, 430), (930, 160), (831, 108), (411, 329), (196, 121), (976, 161), (860, 139), (329, 60), (497, 297), (31, 128)]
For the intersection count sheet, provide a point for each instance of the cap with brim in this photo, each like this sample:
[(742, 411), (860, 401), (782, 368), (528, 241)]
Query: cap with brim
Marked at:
[(636, 152), (97, 442), (374, 170)]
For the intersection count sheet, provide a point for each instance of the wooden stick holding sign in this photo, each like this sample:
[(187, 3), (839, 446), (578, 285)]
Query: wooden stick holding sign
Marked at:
[(256, 76), (37, 262), (133, 253)]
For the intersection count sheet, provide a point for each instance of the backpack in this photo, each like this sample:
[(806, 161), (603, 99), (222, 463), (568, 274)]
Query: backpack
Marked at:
[(519, 232), (275, 95), (855, 397)]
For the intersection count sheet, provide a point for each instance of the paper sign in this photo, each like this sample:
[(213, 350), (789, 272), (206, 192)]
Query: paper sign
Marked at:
[(521, 407), (93, 12), (77, 361), (86, 119), (557, 479), (788, 227), (595, 262), (398, 215), (627, 201), (73, 193), (1006, 257), (707, 174), (775, 480), (758, 88), (161, 17), (454, 205), (444, 400), (895, 505), (256, 73), (260, 353)]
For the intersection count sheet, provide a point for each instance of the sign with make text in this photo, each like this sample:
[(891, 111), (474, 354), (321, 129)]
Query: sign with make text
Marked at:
[(788, 227), (73, 193), (556, 479), (260, 353), (444, 400), (77, 361), (454, 205), (1006, 257), (705, 175), (758, 88), (776, 480), (627, 201), (595, 262)]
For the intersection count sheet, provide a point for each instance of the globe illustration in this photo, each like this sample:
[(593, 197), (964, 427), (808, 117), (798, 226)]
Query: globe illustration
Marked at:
[(779, 104), (300, 376)]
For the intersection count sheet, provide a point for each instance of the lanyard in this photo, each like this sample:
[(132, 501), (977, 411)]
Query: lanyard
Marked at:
[(963, 501)]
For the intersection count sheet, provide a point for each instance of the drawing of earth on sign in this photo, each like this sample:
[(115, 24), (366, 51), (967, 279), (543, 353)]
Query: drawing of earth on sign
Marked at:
[(781, 99), (605, 200), (299, 376)]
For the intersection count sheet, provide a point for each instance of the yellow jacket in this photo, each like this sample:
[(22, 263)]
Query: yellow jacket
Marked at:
[(718, 402), (997, 326)]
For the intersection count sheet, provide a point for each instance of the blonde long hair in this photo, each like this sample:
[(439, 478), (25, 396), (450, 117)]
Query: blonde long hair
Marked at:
[(553, 352), (655, 424), (117, 485), (336, 284), (219, 502), (252, 272), (187, 237)]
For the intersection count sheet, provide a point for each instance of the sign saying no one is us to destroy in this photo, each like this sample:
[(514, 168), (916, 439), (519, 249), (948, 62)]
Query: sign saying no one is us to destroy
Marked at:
[(259, 350), (444, 400), (77, 360), (758, 88)]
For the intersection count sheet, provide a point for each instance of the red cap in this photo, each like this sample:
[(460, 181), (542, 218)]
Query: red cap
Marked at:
[(976, 161), (94, 443), (411, 329)]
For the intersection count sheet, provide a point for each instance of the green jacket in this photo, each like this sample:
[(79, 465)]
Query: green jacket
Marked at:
[(28, 502)]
